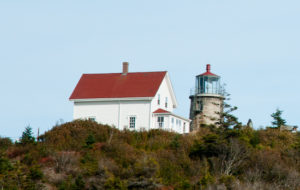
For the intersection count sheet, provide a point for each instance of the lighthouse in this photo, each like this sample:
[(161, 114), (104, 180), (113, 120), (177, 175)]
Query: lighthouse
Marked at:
[(206, 100)]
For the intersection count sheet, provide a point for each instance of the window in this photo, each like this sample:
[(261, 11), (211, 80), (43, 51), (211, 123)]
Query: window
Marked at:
[(92, 118), (132, 120), (184, 127), (160, 121), (178, 122), (166, 103), (158, 99), (199, 106), (172, 121)]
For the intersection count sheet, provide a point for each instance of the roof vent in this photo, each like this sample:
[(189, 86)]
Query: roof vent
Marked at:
[(125, 68)]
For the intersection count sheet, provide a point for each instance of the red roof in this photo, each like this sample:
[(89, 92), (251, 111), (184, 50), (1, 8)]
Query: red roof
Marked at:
[(117, 85), (161, 111), (208, 73)]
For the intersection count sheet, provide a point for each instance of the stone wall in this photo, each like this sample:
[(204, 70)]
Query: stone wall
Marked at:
[(205, 109)]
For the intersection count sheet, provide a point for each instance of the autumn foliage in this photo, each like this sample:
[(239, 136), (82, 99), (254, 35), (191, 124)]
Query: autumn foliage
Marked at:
[(87, 155)]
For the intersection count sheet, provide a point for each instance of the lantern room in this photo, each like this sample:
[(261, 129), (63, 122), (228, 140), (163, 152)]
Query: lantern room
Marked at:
[(208, 83)]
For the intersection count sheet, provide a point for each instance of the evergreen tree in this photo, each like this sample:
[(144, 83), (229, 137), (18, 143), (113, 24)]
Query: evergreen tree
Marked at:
[(27, 136), (277, 119), (227, 119), (90, 140)]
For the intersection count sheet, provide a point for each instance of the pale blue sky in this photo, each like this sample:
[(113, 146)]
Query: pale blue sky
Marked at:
[(45, 46)]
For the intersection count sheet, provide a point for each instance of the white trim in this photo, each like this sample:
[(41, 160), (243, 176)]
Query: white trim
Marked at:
[(119, 111), (211, 95), (110, 99), (150, 117), (174, 115), (175, 104)]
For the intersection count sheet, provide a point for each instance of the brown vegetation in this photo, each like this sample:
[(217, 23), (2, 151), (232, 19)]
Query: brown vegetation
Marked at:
[(87, 155)]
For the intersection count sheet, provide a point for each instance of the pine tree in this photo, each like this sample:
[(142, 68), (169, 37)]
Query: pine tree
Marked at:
[(27, 136), (227, 119), (89, 141), (277, 119)]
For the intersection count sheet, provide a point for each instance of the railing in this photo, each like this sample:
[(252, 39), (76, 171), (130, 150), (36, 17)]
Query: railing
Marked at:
[(219, 91)]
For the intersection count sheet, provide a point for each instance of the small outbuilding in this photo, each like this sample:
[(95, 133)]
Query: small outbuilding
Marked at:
[(288, 128)]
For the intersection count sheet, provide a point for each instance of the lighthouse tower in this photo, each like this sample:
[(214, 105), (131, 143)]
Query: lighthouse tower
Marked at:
[(206, 100)]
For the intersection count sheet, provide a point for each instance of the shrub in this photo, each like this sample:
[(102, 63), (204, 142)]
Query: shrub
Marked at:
[(206, 179), (255, 140), (79, 183), (170, 172), (228, 180), (27, 159), (89, 141), (36, 173), (208, 147), (184, 184), (115, 184), (5, 165), (64, 161), (175, 144), (146, 167), (5, 143), (89, 164)]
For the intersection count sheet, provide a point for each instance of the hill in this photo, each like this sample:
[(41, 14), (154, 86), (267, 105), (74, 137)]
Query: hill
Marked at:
[(87, 155)]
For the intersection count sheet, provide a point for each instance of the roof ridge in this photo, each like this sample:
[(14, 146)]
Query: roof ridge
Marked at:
[(160, 110), (121, 73)]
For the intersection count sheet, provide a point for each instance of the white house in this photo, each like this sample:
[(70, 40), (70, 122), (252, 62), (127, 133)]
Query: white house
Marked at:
[(134, 101)]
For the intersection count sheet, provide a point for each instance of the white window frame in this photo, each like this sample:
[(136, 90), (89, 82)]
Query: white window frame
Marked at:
[(160, 121), (132, 122)]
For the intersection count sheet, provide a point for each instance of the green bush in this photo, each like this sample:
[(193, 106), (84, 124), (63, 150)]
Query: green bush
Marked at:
[(184, 184), (89, 141), (115, 184), (5, 143), (208, 147), (175, 144), (255, 140), (206, 179), (89, 164), (79, 183), (36, 173), (5, 165)]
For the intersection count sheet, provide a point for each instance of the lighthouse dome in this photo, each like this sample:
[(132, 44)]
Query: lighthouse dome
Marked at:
[(208, 83)]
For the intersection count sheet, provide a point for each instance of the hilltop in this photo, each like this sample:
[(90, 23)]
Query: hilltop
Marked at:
[(88, 155)]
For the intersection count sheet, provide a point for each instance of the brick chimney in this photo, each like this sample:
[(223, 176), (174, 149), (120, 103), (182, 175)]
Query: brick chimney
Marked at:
[(125, 68), (208, 67)]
